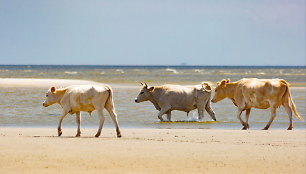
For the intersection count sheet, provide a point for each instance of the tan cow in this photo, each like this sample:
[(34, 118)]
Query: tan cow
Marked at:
[(175, 97), (250, 93), (74, 99)]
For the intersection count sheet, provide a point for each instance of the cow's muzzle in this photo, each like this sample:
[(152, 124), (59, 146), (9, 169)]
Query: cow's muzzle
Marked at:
[(45, 105), (213, 100), (136, 101)]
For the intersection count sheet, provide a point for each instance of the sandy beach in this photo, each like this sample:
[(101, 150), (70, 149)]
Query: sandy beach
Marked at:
[(39, 150)]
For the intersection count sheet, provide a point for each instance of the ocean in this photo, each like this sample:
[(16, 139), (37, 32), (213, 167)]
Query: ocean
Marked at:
[(22, 107)]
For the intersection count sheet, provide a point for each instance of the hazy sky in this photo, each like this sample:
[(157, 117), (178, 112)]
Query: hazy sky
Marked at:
[(153, 32)]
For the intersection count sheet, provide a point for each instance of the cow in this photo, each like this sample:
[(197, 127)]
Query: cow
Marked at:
[(250, 93), (77, 98), (166, 98)]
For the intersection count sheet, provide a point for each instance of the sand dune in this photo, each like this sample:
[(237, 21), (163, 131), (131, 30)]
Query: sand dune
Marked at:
[(39, 150)]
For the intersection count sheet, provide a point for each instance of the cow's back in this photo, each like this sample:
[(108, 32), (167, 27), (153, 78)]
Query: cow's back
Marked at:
[(179, 97), (261, 93), (86, 97)]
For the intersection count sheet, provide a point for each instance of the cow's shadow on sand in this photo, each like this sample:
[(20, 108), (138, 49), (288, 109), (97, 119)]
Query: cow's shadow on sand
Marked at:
[(54, 136)]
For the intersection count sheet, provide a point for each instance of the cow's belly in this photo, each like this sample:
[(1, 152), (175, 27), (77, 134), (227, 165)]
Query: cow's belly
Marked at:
[(258, 104), (184, 108), (86, 108)]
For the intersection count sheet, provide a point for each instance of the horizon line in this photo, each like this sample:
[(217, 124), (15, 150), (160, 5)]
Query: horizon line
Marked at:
[(148, 65)]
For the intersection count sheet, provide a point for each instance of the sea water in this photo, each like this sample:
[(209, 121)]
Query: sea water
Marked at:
[(22, 107)]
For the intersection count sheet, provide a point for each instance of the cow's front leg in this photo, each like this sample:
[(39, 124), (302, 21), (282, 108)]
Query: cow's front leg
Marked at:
[(162, 112), (102, 119), (59, 128), (168, 115), (78, 120)]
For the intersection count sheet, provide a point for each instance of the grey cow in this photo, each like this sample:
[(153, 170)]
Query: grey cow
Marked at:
[(166, 98)]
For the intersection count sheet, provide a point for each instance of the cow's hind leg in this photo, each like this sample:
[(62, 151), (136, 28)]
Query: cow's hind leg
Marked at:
[(168, 115), (113, 115), (273, 114), (102, 119), (289, 112), (59, 128), (247, 115), (78, 120), (210, 111)]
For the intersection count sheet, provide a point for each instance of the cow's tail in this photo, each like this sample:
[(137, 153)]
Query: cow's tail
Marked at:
[(287, 93), (206, 86), (109, 100)]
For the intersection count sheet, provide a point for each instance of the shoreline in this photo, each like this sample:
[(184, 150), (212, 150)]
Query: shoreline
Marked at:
[(46, 83), (40, 150)]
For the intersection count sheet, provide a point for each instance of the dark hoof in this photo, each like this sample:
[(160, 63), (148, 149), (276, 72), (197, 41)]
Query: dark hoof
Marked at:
[(59, 133), (97, 135), (289, 128), (119, 135)]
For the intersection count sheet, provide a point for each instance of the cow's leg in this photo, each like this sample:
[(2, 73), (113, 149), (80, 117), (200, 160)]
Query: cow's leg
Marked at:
[(210, 111), (102, 119), (273, 114), (247, 115), (239, 118), (162, 112), (168, 115), (289, 112), (200, 112), (113, 115), (59, 128), (201, 107), (78, 120)]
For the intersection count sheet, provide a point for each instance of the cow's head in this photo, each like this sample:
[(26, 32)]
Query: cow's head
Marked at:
[(220, 92), (144, 94), (50, 97)]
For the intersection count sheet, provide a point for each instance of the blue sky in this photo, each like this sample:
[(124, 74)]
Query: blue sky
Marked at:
[(153, 32)]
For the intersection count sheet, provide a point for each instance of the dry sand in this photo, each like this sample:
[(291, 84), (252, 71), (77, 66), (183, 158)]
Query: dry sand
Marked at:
[(39, 150)]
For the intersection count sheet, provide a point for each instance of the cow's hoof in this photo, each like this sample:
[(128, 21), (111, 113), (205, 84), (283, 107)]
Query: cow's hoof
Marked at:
[(119, 135), (289, 128), (244, 128), (97, 135), (78, 135), (265, 128), (59, 133)]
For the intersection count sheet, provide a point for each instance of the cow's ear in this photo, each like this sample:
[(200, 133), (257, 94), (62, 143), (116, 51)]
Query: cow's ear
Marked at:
[(52, 89), (151, 88), (223, 82)]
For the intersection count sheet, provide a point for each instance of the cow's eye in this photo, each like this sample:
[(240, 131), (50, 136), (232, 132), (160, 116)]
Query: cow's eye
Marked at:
[(141, 92), (46, 95)]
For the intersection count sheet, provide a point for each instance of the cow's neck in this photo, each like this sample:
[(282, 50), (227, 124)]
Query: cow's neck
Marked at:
[(154, 96), (230, 91), (59, 94)]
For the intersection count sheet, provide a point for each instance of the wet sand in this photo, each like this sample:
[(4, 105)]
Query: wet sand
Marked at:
[(40, 150)]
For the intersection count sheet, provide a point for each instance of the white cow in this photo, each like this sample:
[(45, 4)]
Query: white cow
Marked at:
[(166, 98), (76, 98)]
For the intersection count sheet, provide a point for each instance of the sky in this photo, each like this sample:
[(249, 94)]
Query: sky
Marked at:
[(153, 32)]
